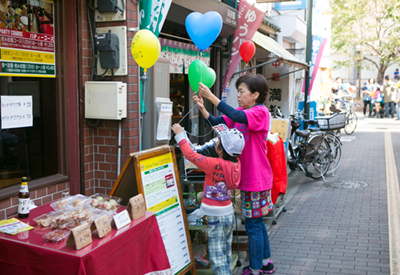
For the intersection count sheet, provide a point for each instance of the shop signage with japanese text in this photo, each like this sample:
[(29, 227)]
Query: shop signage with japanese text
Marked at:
[(249, 20), (27, 44)]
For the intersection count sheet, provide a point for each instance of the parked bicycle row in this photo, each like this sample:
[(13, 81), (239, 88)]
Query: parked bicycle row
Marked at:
[(316, 149)]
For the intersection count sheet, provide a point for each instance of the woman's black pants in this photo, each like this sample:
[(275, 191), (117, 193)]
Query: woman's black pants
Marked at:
[(366, 103)]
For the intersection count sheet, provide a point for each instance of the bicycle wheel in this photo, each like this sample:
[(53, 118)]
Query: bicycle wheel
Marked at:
[(321, 160), (336, 152), (351, 123)]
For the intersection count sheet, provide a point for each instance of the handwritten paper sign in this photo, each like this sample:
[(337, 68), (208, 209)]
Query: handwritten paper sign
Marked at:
[(103, 225), (16, 112), (81, 236), (136, 207), (122, 219)]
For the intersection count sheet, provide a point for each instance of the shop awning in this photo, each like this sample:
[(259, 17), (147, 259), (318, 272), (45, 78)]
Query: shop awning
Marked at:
[(272, 46)]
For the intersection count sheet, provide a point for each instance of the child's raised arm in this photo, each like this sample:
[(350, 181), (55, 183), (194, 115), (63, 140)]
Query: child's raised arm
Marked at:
[(202, 162)]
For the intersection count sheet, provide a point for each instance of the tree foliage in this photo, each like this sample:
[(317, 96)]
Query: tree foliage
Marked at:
[(364, 29)]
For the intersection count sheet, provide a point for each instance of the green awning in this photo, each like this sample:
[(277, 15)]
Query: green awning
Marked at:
[(272, 46)]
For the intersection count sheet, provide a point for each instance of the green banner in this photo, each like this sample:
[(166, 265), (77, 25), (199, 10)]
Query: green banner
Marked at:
[(152, 14)]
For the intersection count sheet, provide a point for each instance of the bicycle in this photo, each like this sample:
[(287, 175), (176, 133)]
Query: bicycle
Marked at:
[(311, 153), (330, 126), (351, 117)]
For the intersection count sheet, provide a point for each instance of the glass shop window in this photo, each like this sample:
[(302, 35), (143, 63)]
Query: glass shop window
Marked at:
[(29, 151)]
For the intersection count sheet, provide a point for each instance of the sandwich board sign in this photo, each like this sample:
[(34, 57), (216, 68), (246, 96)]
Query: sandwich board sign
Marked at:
[(154, 173)]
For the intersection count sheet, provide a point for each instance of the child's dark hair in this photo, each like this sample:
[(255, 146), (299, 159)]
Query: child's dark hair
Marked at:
[(225, 155)]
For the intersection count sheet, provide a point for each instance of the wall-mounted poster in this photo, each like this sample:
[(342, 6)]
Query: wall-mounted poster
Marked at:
[(27, 38)]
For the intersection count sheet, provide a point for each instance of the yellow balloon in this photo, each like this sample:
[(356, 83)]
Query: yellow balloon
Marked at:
[(145, 48)]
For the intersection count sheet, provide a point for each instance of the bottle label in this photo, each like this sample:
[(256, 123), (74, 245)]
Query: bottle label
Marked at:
[(23, 206)]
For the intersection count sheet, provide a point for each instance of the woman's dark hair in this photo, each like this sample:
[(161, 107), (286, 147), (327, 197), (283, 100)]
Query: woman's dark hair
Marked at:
[(225, 155), (255, 83), (387, 77)]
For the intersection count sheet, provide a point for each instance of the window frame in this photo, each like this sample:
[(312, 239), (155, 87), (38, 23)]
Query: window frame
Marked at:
[(67, 115)]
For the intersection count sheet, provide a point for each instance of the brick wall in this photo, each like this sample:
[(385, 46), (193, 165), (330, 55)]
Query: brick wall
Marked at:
[(100, 143), (8, 207)]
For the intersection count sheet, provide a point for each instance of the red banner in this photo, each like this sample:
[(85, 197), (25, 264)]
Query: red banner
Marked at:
[(249, 19)]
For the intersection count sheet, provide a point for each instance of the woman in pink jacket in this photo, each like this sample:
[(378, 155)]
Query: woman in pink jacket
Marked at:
[(252, 119)]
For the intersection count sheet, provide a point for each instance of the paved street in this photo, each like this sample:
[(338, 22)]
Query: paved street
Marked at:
[(341, 226)]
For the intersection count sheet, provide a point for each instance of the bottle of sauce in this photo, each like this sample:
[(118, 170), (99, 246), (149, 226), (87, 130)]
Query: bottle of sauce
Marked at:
[(23, 199)]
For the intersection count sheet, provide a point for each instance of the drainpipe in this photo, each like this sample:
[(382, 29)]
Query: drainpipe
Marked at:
[(308, 57), (119, 148)]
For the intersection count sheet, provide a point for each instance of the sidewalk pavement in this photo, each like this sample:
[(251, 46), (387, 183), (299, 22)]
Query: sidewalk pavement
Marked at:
[(340, 226)]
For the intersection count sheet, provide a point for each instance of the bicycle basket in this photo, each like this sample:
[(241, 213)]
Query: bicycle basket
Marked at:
[(333, 122)]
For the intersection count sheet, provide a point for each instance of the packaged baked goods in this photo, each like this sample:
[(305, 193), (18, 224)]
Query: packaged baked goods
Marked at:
[(68, 218), (69, 202), (105, 202), (48, 218), (56, 236)]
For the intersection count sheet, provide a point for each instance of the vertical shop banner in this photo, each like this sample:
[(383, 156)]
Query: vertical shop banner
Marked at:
[(317, 48), (152, 14), (249, 19), (27, 39)]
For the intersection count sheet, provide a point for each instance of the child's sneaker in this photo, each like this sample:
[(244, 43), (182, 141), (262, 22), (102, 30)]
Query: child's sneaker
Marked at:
[(269, 268), (248, 271)]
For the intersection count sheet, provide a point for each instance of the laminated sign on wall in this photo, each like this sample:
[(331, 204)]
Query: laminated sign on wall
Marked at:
[(27, 38), (16, 112), (164, 108)]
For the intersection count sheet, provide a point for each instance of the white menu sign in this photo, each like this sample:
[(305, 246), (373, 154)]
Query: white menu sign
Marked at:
[(16, 112), (162, 198)]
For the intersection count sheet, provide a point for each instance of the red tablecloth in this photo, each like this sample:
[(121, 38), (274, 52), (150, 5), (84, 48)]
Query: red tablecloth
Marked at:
[(134, 249)]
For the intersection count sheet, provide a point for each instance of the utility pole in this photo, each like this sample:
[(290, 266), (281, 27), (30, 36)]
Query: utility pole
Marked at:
[(308, 57)]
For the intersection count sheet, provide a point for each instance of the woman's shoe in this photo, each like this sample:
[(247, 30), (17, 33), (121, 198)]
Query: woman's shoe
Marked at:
[(248, 271), (269, 268)]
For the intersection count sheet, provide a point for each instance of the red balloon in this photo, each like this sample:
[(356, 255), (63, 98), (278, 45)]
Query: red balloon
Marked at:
[(247, 50)]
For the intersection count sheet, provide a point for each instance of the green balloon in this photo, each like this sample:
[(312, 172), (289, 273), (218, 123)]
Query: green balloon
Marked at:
[(199, 72)]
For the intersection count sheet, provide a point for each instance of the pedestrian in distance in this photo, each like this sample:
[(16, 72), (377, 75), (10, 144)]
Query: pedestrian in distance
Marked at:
[(378, 101), (388, 89), (336, 85), (222, 176), (367, 98), (252, 119), (396, 75), (396, 100)]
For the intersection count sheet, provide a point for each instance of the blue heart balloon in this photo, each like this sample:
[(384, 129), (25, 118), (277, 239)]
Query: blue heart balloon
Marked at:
[(203, 29)]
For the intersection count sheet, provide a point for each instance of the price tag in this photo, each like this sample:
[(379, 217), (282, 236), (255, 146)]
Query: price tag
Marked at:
[(122, 219), (136, 207), (81, 236), (103, 225)]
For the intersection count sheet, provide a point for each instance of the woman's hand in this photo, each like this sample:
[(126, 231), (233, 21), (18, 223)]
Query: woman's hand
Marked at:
[(198, 100), (176, 128), (204, 91)]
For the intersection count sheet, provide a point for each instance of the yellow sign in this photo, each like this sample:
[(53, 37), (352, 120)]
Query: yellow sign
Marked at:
[(163, 204), (26, 56), (151, 163), (280, 126)]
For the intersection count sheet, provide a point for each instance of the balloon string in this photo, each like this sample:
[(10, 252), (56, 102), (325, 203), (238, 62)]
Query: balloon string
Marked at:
[(187, 113), (201, 71)]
